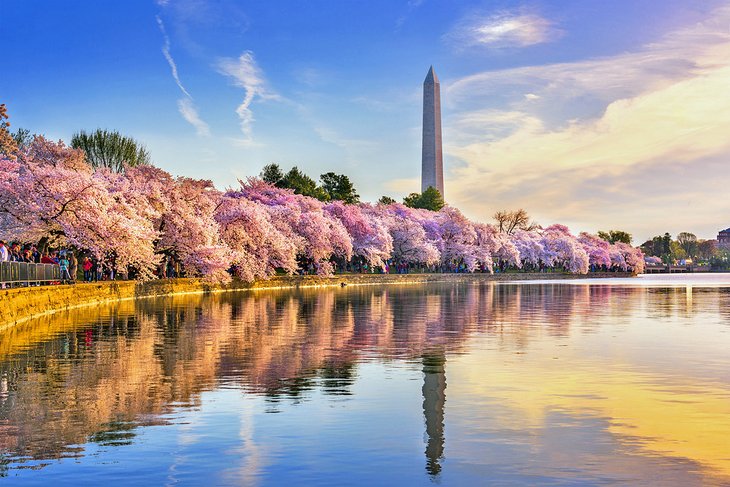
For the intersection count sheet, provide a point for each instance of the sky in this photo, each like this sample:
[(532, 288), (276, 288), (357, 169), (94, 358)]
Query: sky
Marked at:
[(598, 115)]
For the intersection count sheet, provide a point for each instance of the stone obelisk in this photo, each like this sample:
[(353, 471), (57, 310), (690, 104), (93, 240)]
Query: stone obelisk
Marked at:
[(432, 160)]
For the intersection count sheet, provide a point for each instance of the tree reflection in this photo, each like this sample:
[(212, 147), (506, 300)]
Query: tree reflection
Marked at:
[(92, 377)]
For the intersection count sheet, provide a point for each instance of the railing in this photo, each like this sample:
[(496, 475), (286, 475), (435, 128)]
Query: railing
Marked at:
[(25, 273)]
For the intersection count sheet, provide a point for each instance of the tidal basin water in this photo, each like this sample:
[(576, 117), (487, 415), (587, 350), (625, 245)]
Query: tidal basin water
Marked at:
[(597, 382)]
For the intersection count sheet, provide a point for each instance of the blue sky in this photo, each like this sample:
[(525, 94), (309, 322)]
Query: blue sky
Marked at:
[(591, 113)]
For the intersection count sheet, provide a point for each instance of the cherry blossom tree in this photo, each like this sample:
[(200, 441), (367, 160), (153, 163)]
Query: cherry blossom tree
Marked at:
[(258, 247), (182, 211), (370, 237), (633, 257), (483, 246), (134, 217), (598, 250), (51, 193), (410, 245), (321, 235), (561, 247), (500, 245), (618, 261), (530, 247), (457, 238)]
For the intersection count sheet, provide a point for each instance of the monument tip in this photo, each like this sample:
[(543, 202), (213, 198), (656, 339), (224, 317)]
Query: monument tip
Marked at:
[(431, 76)]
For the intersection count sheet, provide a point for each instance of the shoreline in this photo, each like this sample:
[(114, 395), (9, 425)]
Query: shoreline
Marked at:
[(18, 305)]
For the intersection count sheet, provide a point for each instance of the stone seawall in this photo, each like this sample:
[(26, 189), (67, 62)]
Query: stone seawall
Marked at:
[(21, 304)]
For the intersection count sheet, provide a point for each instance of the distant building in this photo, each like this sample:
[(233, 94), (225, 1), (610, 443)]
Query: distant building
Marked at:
[(723, 238)]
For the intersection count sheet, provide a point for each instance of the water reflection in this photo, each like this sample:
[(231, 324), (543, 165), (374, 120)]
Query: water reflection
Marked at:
[(641, 373), (434, 399)]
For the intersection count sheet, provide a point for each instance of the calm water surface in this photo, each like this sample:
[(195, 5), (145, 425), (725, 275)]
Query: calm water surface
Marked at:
[(603, 382)]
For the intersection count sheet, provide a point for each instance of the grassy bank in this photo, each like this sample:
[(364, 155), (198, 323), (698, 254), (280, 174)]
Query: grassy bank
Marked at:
[(21, 304)]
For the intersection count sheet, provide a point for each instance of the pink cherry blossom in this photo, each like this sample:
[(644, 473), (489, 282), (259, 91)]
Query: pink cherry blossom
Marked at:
[(134, 218)]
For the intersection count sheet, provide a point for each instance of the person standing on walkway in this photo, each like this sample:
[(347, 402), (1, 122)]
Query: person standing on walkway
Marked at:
[(86, 266), (15, 253), (4, 257), (63, 263), (73, 266)]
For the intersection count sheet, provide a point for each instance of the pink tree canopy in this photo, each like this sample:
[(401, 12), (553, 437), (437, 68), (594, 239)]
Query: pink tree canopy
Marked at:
[(564, 249), (51, 193), (370, 237), (598, 250), (135, 218)]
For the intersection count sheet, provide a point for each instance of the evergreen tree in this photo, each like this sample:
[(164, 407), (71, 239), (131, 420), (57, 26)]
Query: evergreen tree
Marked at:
[(339, 187), (303, 184), (386, 200), (430, 199), (272, 174)]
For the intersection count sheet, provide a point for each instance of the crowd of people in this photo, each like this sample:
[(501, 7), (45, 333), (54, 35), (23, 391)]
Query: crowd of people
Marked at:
[(72, 269), (75, 268)]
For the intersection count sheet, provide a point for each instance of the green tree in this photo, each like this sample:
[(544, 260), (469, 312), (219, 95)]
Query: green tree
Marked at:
[(412, 200), (430, 199), (648, 247), (614, 236), (22, 138), (110, 149), (659, 246), (272, 174), (386, 200), (667, 244), (339, 187), (676, 251), (688, 242), (706, 249), (303, 184), (720, 259)]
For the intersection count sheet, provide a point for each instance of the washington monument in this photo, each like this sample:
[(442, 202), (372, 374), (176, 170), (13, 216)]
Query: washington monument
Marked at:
[(432, 160)]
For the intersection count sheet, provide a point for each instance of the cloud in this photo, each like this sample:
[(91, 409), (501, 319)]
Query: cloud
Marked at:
[(633, 140), (190, 113), (246, 74), (184, 105), (503, 30), (170, 60)]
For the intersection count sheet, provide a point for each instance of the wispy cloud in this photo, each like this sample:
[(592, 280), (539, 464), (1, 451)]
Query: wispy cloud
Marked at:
[(185, 105), (189, 113), (505, 29), (168, 56), (602, 137), (246, 74)]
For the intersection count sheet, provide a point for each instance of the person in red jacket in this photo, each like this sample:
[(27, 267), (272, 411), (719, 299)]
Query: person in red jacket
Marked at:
[(86, 266)]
